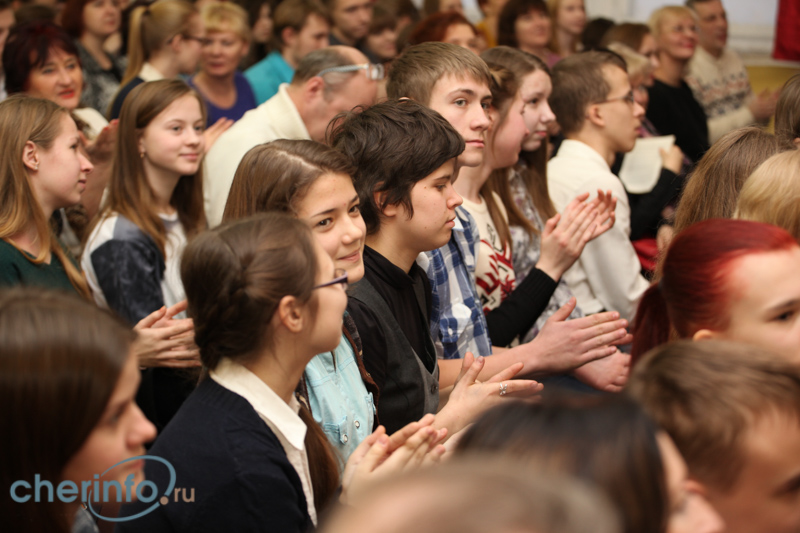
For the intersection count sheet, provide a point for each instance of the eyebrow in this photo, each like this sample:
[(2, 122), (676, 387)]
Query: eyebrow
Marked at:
[(784, 305), (331, 210)]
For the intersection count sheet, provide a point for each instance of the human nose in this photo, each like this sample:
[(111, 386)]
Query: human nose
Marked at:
[(352, 232), (480, 119), (638, 110), (454, 199), (142, 430), (86, 165), (63, 76), (547, 114)]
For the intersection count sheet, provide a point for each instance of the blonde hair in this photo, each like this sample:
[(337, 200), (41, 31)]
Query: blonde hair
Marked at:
[(657, 17), (129, 193), (151, 27), (226, 16), (772, 192), (25, 118), (638, 65)]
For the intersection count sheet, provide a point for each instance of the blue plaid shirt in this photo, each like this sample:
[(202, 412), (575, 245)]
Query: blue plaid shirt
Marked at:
[(457, 322)]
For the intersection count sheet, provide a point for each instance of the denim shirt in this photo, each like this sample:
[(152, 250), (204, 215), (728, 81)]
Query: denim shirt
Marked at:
[(339, 400)]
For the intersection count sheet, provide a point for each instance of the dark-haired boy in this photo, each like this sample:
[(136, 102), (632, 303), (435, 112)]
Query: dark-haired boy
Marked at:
[(406, 160)]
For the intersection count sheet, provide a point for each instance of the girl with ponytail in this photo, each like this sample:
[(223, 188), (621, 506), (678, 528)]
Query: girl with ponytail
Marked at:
[(726, 279), (265, 298)]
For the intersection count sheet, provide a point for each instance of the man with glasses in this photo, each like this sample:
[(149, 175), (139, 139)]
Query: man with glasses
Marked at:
[(594, 105), (327, 82)]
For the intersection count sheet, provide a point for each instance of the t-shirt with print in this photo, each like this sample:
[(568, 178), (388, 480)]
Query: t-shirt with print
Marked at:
[(494, 272)]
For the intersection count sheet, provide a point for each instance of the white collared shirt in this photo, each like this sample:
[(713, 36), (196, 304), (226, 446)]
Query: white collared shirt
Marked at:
[(282, 418), (150, 73)]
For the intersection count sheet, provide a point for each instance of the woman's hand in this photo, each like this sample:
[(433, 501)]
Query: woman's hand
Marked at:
[(102, 148), (213, 132), (606, 206), (163, 341), (563, 345), (379, 456), (471, 397), (565, 235), (608, 374)]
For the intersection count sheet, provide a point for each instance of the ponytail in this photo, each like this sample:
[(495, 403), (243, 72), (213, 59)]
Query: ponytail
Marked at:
[(323, 467)]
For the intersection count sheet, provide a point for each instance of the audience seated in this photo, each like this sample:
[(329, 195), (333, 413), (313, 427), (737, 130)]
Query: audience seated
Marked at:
[(595, 107), (301, 26), (260, 21), (734, 413), (718, 77), (327, 82)]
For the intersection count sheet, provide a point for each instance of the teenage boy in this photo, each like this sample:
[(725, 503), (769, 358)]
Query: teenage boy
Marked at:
[(594, 105), (455, 82), (406, 160), (734, 413)]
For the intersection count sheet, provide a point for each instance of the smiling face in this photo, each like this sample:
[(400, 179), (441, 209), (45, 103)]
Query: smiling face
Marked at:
[(120, 434), (464, 103), (571, 16), (222, 52), (101, 18), (678, 37), (172, 144), (59, 176), (533, 31), (535, 90), (765, 304), (434, 200), (330, 206), (59, 79), (766, 494)]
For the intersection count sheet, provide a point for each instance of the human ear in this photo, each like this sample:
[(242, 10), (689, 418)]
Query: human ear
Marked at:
[(385, 209), (290, 313), (314, 89), (595, 115), (705, 334), (288, 36), (30, 156), (695, 487), (796, 142)]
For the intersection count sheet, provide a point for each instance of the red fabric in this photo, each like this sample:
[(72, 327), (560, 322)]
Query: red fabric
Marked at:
[(647, 250), (787, 31)]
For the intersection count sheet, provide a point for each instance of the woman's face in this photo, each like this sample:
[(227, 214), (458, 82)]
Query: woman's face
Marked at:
[(571, 16), (506, 135), (330, 207), (532, 30), (101, 18), (221, 53), (59, 79), (764, 303), (58, 176), (191, 46), (326, 327), (534, 92), (262, 29), (383, 44), (120, 434), (689, 512), (172, 144), (649, 49), (678, 37), (463, 36)]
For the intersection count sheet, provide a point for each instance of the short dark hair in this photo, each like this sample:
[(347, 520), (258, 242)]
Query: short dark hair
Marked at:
[(506, 34), (28, 47), (393, 145), (578, 81), (294, 14)]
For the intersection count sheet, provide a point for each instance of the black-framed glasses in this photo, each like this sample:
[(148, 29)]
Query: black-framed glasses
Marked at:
[(628, 98), (375, 71), (340, 278)]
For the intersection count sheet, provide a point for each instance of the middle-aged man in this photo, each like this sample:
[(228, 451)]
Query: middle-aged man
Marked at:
[(351, 21), (718, 77), (327, 82), (594, 103), (301, 26)]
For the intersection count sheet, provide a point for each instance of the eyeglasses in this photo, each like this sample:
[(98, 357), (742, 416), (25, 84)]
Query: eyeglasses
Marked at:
[(341, 278), (375, 71), (201, 40), (628, 98)]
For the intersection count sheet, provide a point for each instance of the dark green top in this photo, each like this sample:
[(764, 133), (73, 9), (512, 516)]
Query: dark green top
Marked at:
[(18, 269)]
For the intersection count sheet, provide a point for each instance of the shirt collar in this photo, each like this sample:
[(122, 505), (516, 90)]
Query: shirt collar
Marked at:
[(570, 148), (386, 270), (150, 73), (236, 378)]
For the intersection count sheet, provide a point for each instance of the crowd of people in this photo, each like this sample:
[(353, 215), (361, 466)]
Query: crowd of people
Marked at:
[(347, 265)]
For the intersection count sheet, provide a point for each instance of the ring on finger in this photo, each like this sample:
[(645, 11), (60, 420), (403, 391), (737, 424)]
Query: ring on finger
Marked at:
[(503, 389)]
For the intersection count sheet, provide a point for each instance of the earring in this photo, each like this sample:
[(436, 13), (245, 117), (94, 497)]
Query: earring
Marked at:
[(36, 167), (141, 154)]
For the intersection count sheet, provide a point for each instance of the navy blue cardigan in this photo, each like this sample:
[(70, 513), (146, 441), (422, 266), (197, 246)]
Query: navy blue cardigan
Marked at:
[(241, 477)]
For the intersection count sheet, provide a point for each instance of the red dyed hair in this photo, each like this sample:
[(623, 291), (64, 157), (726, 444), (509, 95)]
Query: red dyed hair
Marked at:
[(694, 292), (434, 27), (28, 47)]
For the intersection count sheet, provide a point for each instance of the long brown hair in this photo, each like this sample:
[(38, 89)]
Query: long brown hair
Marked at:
[(129, 193), (276, 175), (22, 119), (534, 170), (235, 276), (60, 360)]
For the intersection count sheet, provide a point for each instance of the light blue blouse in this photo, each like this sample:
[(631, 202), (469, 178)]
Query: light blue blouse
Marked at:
[(339, 401)]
